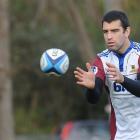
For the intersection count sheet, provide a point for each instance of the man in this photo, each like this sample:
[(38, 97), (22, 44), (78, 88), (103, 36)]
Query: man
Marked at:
[(118, 68)]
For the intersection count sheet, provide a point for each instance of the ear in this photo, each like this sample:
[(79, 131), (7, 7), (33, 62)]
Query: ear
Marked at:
[(127, 31)]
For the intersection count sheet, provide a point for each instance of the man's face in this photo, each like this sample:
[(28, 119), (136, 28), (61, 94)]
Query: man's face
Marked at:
[(115, 36)]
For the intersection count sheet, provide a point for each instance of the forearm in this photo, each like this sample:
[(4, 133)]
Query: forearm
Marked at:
[(93, 95), (133, 86)]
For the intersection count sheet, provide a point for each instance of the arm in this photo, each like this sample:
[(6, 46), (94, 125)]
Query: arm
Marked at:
[(93, 95), (92, 80), (132, 86)]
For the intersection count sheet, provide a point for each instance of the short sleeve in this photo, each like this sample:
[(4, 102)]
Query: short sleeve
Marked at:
[(139, 65), (97, 67), (138, 72)]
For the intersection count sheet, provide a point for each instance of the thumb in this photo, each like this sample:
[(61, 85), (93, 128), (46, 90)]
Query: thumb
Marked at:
[(88, 66), (110, 65)]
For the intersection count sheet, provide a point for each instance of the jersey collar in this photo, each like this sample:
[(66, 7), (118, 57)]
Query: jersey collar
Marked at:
[(128, 49)]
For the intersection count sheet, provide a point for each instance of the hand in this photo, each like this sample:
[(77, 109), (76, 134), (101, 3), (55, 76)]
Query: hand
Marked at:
[(114, 73), (85, 78)]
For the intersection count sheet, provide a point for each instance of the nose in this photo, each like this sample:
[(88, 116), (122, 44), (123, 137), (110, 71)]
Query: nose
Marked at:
[(109, 35)]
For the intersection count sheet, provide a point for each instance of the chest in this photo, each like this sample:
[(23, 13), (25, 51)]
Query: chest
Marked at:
[(128, 65)]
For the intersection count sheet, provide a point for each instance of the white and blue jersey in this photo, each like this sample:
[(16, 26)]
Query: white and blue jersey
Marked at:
[(125, 114)]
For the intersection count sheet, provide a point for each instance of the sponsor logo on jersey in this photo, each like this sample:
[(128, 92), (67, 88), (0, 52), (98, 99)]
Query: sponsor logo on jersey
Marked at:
[(94, 69), (133, 68)]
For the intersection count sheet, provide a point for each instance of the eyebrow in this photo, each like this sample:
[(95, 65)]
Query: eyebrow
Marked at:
[(105, 30)]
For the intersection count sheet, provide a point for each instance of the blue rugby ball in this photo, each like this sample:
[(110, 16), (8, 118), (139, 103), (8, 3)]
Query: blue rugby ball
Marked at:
[(54, 61)]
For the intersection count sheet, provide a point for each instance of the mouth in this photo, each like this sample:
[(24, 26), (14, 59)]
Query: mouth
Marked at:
[(110, 44)]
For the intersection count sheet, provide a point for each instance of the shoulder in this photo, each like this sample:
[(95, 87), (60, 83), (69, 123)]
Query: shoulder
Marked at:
[(136, 46), (98, 68), (104, 53)]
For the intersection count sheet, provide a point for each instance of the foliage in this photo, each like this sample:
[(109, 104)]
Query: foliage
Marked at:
[(132, 10), (42, 102)]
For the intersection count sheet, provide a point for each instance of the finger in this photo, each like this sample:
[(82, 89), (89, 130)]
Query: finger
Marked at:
[(79, 79), (88, 66), (80, 83), (112, 78), (111, 70), (113, 73), (110, 65), (76, 73), (80, 70)]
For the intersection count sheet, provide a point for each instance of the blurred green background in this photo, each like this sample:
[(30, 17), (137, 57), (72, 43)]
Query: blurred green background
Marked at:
[(40, 103)]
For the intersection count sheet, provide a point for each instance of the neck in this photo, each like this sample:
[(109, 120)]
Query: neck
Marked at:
[(124, 47)]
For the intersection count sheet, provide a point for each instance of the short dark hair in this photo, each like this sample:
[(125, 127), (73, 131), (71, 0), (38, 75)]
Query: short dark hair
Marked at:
[(116, 15)]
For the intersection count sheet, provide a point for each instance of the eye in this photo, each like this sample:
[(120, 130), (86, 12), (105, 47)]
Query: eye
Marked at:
[(105, 31), (115, 30)]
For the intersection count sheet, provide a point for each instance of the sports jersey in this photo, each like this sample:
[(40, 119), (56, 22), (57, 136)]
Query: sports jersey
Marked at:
[(125, 112)]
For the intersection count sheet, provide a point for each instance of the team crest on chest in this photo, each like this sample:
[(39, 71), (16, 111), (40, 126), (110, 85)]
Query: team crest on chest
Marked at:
[(133, 69)]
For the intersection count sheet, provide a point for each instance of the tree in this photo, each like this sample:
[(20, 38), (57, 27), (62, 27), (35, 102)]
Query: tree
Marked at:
[(84, 43), (6, 118), (113, 5)]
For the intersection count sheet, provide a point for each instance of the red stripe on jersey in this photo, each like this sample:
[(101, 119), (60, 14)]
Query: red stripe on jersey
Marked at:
[(112, 123), (100, 70)]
